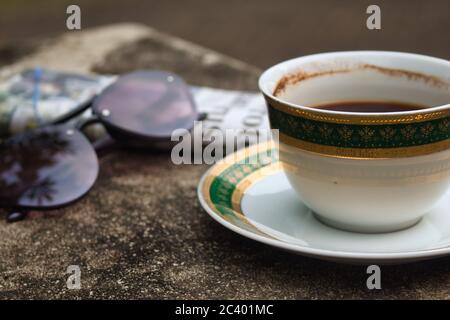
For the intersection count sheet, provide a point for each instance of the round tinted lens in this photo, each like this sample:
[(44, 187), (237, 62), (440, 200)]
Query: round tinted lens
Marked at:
[(148, 103), (46, 168)]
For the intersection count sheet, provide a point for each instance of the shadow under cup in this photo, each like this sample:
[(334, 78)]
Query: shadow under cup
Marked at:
[(363, 172)]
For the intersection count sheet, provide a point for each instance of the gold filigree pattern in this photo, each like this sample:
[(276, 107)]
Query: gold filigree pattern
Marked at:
[(363, 139), (345, 133), (308, 127), (427, 129), (444, 126), (366, 133), (387, 133), (325, 130), (408, 132)]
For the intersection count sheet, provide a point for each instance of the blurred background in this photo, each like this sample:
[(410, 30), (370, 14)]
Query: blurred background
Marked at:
[(261, 32)]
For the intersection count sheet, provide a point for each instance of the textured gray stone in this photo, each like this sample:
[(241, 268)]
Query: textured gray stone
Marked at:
[(141, 233)]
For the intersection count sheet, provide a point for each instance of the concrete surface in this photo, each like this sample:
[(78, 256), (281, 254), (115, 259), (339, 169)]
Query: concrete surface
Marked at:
[(141, 233)]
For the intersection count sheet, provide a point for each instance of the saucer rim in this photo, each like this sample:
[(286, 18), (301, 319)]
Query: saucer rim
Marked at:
[(335, 255)]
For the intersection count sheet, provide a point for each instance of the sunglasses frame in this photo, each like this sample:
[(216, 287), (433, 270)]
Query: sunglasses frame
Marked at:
[(125, 137)]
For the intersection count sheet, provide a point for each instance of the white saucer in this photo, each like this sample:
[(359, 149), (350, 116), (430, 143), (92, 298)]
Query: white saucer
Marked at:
[(257, 202)]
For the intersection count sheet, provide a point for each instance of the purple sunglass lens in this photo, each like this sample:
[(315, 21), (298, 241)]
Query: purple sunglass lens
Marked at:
[(46, 168), (151, 104)]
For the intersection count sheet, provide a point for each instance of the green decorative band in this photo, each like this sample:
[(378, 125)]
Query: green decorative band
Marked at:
[(225, 185), (357, 140)]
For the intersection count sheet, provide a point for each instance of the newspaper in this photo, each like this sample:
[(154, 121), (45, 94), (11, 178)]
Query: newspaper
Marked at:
[(59, 93)]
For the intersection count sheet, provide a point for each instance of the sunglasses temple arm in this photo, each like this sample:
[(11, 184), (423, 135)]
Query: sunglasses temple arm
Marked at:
[(85, 122), (104, 144), (74, 113)]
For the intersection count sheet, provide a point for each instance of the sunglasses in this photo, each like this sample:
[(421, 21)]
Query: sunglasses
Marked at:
[(55, 164)]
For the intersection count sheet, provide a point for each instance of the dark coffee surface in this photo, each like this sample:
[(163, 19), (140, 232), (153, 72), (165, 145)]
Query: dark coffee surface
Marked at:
[(369, 106)]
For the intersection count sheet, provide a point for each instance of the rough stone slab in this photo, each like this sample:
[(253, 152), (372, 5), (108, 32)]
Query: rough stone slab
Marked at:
[(121, 48), (141, 232)]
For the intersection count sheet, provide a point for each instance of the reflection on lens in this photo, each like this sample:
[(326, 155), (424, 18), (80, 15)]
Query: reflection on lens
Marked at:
[(46, 168), (148, 103)]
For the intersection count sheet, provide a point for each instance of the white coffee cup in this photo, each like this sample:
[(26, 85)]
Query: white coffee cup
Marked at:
[(363, 172)]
